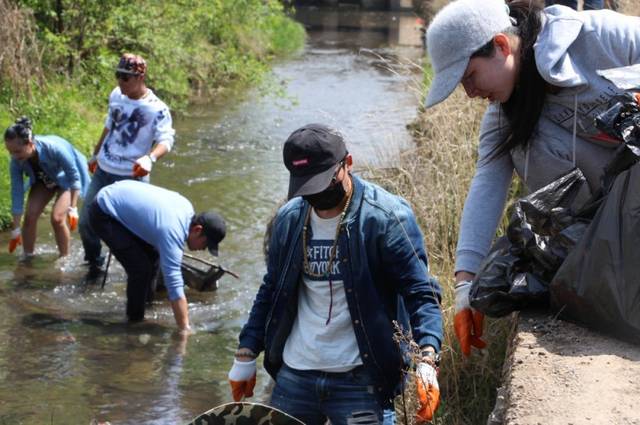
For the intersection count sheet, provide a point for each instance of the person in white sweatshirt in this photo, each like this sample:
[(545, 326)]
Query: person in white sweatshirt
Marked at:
[(137, 132), (538, 68)]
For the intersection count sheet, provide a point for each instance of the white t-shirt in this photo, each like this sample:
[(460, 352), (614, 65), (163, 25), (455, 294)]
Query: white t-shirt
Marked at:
[(313, 344), (134, 126)]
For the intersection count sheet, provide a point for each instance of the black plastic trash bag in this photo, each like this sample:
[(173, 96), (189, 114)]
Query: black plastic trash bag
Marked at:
[(548, 223), (621, 122), (599, 282), (543, 229)]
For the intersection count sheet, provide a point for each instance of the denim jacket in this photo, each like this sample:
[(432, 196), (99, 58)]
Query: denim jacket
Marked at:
[(386, 279), (59, 160)]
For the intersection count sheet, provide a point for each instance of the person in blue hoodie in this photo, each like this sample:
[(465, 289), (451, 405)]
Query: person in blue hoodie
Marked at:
[(540, 69), (54, 169)]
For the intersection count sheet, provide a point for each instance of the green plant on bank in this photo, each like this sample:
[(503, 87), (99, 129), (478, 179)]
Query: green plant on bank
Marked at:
[(57, 57), (189, 45)]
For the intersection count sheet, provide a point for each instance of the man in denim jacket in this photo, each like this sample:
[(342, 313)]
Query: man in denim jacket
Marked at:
[(324, 318)]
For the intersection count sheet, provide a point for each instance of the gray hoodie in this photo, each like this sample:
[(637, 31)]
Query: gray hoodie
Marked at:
[(570, 48)]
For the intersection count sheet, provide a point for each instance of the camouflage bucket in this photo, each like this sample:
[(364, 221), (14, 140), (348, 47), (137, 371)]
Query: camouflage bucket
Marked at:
[(243, 413)]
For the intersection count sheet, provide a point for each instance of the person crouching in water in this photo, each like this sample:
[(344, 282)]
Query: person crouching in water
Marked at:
[(144, 225), (55, 169)]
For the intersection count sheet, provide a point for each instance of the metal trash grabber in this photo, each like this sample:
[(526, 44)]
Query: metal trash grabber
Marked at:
[(210, 264), (106, 271)]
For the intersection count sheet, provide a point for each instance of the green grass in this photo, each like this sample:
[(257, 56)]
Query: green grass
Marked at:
[(435, 177)]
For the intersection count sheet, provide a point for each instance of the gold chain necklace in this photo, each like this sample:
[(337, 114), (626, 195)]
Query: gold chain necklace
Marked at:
[(333, 251)]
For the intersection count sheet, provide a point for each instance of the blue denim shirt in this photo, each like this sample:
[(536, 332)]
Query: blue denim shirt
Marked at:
[(65, 165), (386, 279)]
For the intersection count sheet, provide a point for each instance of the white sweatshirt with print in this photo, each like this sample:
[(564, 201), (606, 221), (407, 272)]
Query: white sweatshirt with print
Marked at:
[(135, 126)]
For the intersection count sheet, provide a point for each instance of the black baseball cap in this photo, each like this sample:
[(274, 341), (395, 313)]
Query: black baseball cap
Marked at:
[(311, 154), (214, 229)]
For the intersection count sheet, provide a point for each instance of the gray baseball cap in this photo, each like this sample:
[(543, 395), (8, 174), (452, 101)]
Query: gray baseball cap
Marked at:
[(456, 32)]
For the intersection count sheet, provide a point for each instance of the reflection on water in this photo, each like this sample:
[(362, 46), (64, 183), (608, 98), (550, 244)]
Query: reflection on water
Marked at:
[(67, 355)]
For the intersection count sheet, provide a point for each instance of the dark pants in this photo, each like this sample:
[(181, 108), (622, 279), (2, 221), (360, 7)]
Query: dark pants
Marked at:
[(90, 240), (139, 259)]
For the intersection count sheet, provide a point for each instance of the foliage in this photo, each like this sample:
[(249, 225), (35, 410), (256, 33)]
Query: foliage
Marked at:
[(190, 45), (19, 51), (58, 59)]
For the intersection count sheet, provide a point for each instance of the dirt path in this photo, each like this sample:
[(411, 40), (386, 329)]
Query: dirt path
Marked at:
[(559, 373)]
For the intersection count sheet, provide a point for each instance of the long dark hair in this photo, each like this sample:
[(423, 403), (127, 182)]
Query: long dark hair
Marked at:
[(21, 130), (524, 107)]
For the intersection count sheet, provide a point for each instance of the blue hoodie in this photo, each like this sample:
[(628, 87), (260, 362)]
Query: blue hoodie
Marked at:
[(59, 160), (570, 49)]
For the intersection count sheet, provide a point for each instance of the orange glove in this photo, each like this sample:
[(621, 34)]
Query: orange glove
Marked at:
[(93, 164), (16, 239), (428, 391), (467, 322), (143, 165), (72, 218), (242, 378)]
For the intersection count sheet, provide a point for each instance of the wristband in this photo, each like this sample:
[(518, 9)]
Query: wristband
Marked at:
[(431, 357), (152, 157), (245, 353), (462, 283)]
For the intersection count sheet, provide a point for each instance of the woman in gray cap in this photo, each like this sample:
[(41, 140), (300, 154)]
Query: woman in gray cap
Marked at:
[(539, 70)]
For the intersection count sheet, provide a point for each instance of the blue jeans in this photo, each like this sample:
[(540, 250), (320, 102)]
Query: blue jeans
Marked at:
[(588, 4), (313, 397), (91, 241)]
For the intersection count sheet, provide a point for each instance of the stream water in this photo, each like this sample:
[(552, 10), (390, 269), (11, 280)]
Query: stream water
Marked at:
[(67, 355)]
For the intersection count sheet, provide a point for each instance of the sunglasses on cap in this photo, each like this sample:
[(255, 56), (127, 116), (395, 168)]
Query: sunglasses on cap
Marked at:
[(124, 76)]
